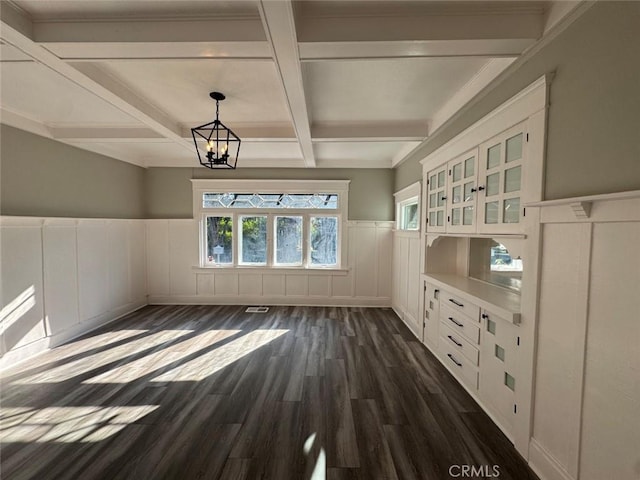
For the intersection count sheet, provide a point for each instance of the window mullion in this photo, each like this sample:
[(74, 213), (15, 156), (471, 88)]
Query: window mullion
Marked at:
[(271, 225)]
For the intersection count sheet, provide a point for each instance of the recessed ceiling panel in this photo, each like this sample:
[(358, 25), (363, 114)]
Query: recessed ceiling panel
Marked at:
[(394, 90), (270, 150), (34, 91), (376, 153), (79, 9), (181, 88)]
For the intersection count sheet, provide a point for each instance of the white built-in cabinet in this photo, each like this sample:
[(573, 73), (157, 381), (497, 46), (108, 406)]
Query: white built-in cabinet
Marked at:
[(462, 193), (475, 187), (437, 199), (480, 190), (500, 172)]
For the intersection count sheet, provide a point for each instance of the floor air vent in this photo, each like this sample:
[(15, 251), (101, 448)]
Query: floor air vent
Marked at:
[(257, 309)]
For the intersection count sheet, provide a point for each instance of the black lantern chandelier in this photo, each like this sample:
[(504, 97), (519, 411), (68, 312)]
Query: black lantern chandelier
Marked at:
[(219, 142)]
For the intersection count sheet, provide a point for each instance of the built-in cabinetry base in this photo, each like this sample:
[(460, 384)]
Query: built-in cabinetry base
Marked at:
[(472, 327)]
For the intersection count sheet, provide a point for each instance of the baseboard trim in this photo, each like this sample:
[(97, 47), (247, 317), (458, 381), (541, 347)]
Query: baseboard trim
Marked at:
[(413, 327), (544, 464), (274, 300), (34, 349)]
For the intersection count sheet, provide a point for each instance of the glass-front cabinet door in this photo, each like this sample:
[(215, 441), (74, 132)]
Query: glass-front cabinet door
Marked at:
[(501, 163), (461, 194), (437, 200)]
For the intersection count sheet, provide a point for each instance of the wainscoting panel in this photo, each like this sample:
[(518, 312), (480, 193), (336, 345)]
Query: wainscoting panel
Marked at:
[(158, 257), (175, 277), (62, 277), (93, 267), (587, 395), (406, 274), (22, 285)]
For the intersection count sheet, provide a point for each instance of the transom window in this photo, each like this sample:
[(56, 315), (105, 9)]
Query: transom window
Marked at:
[(328, 201), (296, 227)]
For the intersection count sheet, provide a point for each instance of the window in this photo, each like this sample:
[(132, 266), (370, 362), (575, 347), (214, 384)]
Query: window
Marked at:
[(253, 240), (324, 241), (408, 208), (288, 241), (273, 224), (409, 215), (219, 232)]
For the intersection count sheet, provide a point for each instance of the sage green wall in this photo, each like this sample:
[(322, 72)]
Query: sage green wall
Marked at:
[(593, 143), (44, 178), (370, 190)]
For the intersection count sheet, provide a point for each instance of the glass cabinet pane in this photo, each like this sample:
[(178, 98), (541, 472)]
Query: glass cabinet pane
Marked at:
[(440, 222), (432, 200), (468, 194), (469, 167), (467, 216), (512, 179), (511, 212), (493, 156), (432, 218), (441, 179), (514, 148), (457, 194), (493, 184), (441, 199), (432, 182), (491, 212), (457, 172), (455, 216)]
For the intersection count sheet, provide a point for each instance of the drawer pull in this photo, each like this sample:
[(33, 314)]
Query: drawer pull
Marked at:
[(456, 322), (453, 359), (485, 316), (456, 303), (454, 340)]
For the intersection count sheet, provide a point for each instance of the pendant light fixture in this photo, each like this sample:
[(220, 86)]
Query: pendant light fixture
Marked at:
[(217, 146)]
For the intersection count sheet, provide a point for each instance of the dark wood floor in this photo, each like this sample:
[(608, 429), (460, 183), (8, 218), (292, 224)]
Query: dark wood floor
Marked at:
[(211, 392)]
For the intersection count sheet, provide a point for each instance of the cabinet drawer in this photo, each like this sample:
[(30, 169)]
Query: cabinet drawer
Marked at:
[(460, 305), (460, 323), (458, 364), (459, 343)]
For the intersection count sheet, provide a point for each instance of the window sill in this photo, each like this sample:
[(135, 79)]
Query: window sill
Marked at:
[(273, 270)]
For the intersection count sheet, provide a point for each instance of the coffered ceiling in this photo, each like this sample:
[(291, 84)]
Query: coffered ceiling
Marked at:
[(308, 83)]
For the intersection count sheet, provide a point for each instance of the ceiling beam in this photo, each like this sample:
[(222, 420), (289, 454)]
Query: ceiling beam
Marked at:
[(315, 51), (93, 51), (92, 79), (279, 27)]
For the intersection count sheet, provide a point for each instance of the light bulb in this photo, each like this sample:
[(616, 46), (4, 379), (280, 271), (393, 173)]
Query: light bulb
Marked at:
[(209, 145), (223, 150)]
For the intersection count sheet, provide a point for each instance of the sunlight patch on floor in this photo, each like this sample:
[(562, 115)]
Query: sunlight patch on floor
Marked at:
[(149, 363), (215, 360), (67, 424), (85, 364)]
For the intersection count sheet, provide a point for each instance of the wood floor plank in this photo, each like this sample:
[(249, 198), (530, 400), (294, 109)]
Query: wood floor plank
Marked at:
[(342, 444), (206, 391), (375, 457)]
